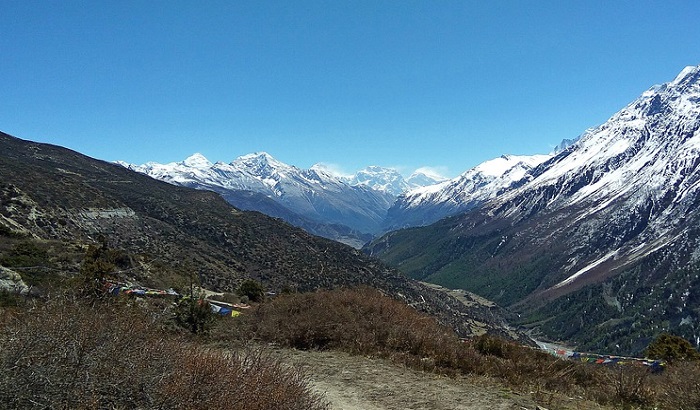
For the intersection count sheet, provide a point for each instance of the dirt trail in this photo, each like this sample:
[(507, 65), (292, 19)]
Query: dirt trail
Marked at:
[(361, 383)]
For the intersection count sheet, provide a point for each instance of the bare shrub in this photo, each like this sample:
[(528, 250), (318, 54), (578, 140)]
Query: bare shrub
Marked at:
[(252, 381), (360, 321), (67, 355), (679, 386), (631, 386)]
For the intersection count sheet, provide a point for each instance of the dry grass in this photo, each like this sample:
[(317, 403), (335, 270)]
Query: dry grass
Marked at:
[(679, 387), (66, 355)]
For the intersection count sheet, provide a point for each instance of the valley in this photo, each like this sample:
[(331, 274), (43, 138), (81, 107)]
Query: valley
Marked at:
[(604, 225), (596, 245)]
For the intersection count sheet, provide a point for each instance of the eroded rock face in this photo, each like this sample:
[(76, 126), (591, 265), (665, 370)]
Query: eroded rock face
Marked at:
[(11, 281)]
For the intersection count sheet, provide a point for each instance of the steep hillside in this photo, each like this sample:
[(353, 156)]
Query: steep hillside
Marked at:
[(254, 201), (54, 201), (600, 244)]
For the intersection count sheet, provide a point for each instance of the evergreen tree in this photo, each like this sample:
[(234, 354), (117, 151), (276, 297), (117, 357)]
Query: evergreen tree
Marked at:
[(671, 348)]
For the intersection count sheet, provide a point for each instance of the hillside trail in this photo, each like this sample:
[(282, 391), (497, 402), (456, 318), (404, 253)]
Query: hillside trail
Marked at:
[(361, 383)]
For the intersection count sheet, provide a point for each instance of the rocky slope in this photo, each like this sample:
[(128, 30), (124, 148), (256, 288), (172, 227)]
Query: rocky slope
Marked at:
[(600, 243)]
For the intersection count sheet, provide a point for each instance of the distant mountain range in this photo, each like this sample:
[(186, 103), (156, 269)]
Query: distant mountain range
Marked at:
[(313, 199), (599, 243), (347, 209), (350, 209)]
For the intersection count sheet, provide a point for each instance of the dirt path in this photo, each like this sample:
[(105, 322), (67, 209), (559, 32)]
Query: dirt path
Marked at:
[(360, 383)]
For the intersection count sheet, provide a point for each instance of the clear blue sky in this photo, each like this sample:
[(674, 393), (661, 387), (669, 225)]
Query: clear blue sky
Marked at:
[(400, 83)]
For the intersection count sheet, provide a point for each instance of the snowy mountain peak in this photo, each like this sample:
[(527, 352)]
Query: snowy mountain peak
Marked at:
[(425, 177), (390, 180), (322, 169), (635, 143), (564, 144), (380, 178), (688, 75), (375, 172), (260, 164), (258, 158), (197, 160)]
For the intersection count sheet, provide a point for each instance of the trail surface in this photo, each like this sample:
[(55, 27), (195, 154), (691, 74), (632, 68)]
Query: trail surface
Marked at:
[(361, 383)]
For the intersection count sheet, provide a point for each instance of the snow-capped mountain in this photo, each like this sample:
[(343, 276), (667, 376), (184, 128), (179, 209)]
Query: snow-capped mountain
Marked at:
[(425, 205), (391, 181), (311, 198), (640, 168), (612, 222), (348, 209)]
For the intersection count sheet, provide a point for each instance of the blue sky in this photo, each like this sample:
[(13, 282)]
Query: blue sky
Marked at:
[(445, 84)]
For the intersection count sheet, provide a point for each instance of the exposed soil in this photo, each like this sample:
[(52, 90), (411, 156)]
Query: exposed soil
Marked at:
[(361, 383)]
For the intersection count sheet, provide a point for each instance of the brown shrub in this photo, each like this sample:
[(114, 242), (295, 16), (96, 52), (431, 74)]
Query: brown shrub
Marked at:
[(360, 321), (251, 381), (63, 355), (679, 386)]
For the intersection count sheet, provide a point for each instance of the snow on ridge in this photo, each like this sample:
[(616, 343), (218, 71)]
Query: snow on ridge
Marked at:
[(633, 140), (480, 183), (687, 72), (586, 269), (260, 160), (259, 168), (497, 167)]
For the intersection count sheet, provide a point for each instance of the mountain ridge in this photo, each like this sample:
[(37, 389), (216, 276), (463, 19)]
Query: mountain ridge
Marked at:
[(423, 206), (347, 209), (616, 214)]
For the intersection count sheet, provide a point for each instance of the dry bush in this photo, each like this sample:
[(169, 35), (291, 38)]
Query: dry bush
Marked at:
[(361, 321), (251, 381), (364, 321), (679, 386), (631, 386), (66, 355), (533, 370)]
